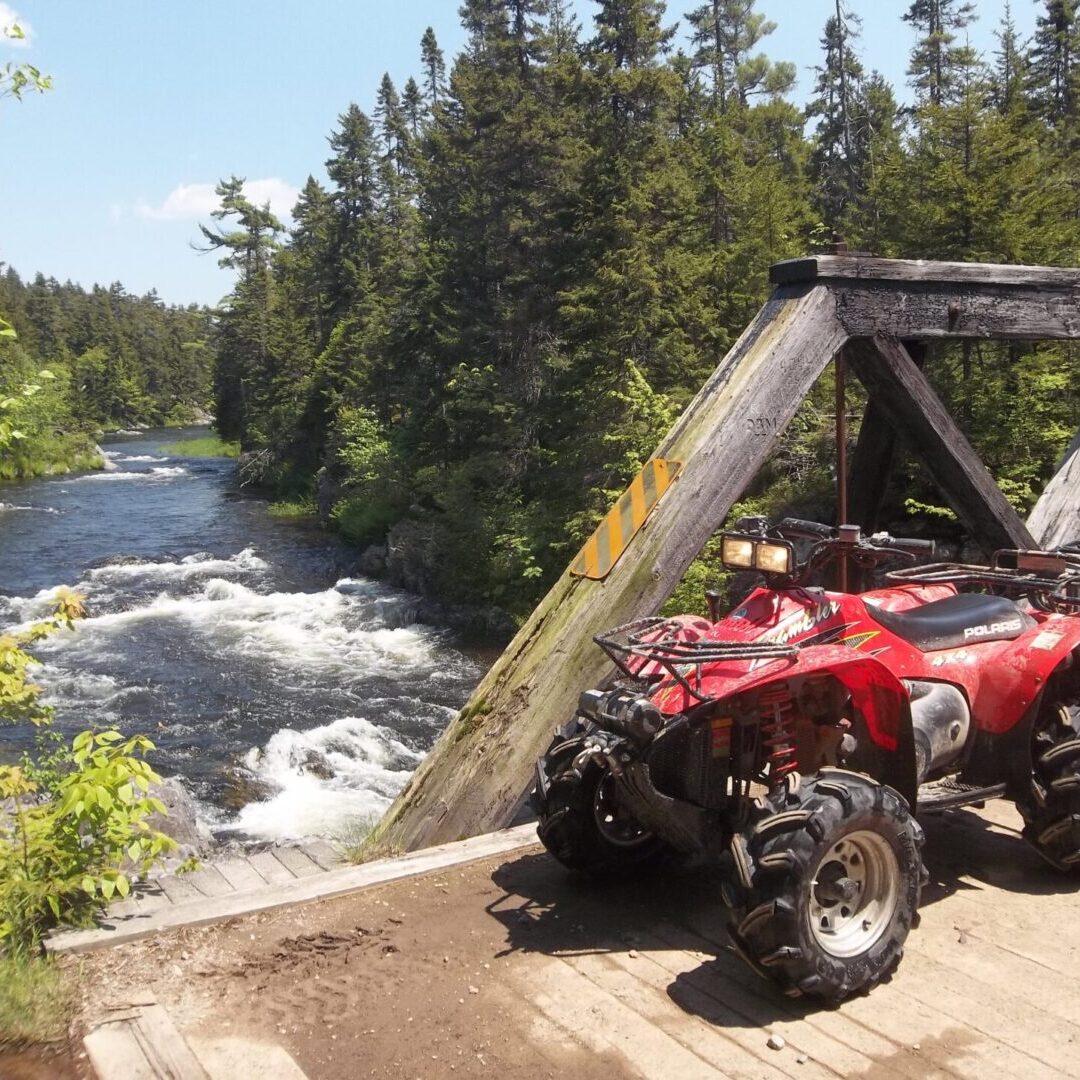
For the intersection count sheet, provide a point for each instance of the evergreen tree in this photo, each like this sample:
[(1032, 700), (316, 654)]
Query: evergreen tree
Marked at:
[(246, 366), (1055, 71), (434, 68), (938, 64)]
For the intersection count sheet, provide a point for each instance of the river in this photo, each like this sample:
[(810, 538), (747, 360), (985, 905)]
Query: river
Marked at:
[(292, 697)]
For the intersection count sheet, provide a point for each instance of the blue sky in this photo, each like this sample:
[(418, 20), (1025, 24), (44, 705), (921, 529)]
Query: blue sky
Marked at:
[(106, 177)]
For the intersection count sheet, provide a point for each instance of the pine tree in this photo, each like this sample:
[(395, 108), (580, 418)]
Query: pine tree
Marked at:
[(434, 68), (839, 159), (725, 33), (246, 366), (1055, 70), (938, 64)]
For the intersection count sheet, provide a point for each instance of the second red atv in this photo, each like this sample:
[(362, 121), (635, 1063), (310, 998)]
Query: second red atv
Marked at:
[(797, 737)]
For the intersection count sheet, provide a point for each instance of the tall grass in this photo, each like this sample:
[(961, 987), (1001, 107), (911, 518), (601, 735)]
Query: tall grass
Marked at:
[(36, 1001), (208, 446)]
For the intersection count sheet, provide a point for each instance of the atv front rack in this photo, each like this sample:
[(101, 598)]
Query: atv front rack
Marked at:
[(1050, 580), (636, 644)]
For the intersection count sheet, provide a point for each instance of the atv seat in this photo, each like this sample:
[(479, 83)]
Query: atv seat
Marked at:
[(964, 619)]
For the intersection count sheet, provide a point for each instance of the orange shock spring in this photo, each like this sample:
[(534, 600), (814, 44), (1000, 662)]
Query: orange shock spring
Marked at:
[(778, 730)]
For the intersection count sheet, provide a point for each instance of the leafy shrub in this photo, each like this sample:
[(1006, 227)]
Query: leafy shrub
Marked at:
[(73, 815)]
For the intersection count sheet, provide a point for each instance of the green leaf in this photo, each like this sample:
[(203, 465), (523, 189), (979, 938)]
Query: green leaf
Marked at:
[(88, 885)]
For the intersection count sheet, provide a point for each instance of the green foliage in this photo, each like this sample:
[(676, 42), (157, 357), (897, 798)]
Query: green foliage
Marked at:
[(37, 1000), (18, 79), (74, 828), (296, 509), (208, 446)]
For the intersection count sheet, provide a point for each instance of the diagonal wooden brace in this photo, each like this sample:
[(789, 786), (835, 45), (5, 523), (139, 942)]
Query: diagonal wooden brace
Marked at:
[(908, 402)]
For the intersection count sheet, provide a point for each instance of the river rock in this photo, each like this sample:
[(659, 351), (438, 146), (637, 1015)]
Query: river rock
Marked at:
[(181, 822), (372, 561)]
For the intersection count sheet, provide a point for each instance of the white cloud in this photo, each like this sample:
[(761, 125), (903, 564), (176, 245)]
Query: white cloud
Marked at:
[(9, 17), (192, 201)]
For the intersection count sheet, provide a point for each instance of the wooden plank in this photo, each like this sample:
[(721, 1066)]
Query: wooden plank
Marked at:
[(145, 1045), (323, 853), (861, 268), (321, 886), (239, 873), (1055, 518), (474, 778), (296, 862), (563, 994), (209, 881), (236, 1058), (177, 889), (908, 401), (270, 869)]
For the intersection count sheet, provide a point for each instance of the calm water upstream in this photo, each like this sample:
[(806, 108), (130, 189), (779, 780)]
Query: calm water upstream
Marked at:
[(289, 696)]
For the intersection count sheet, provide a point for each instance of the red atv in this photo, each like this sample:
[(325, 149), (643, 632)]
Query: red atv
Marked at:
[(796, 737)]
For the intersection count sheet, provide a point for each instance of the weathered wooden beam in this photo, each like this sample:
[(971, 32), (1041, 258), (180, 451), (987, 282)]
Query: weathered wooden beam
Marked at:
[(871, 467), (814, 269), (904, 298), (912, 408), (957, 312), (872, 462), (474, 777), (1055, 518)]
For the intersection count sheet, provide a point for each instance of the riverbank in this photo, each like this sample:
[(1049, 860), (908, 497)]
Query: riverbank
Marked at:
[(57, 455)]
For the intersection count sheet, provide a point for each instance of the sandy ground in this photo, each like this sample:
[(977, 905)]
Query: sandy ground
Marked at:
[(415, 979), (512, 967)]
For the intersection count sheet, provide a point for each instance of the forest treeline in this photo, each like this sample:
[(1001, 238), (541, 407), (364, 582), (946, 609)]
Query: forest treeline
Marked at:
[(110, 360), (523, 263)]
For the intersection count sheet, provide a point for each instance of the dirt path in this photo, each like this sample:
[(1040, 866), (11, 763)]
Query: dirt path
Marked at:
[(516, 969)]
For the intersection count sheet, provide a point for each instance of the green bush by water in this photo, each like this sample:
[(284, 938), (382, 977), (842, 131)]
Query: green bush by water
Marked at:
[(208, 446)]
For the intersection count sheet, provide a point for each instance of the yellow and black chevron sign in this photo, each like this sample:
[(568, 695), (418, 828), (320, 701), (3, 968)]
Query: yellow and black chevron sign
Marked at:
[(623, 520)]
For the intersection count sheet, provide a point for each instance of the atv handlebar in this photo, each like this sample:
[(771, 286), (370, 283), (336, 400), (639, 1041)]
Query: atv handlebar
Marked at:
[(909, 546), (799, 529), (830, 544)]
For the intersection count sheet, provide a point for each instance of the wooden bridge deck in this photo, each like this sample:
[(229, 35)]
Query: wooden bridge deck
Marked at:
[(639, 980)]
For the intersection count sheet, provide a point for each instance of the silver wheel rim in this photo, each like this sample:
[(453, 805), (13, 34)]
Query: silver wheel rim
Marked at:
[(854, 893), (616, 826)]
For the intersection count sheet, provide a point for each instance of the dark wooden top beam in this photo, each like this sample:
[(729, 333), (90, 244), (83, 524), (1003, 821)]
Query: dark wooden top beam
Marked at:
[(866, 268)]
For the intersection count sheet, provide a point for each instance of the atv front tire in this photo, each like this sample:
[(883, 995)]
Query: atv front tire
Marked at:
[(581, 821), (1051, 806), (826, 885)]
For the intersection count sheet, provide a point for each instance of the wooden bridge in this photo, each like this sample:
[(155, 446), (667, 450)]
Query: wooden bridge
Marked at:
[(878, 314)]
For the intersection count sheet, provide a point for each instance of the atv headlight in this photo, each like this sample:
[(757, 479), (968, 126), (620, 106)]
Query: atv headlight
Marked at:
[(748, 553), (737, 552), (772, 558)]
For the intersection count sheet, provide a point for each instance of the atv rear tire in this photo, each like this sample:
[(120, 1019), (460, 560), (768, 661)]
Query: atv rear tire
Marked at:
[(826, 885), (581, 821), (1051, 807)]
